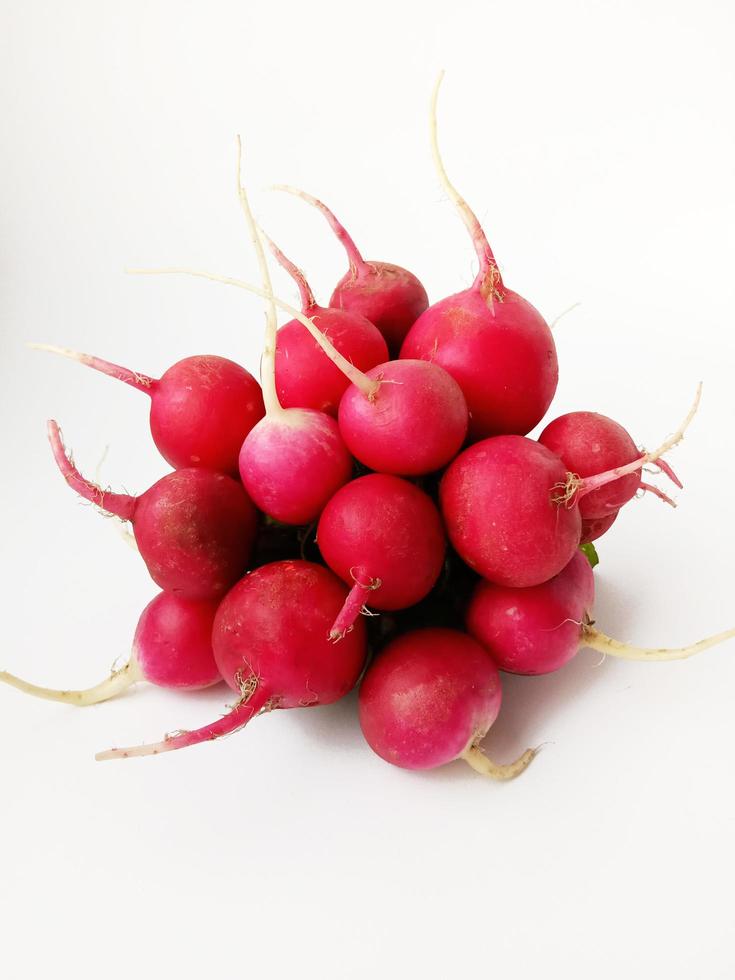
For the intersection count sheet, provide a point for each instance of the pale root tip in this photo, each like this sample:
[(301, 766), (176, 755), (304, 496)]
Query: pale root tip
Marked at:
[(154, 748)]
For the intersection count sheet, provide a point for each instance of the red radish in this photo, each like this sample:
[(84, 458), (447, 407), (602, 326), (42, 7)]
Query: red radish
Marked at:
[(499, 503), (271, 644), (305, 376), (582, 439), (201, 408), (593, 528), (429, 698), (194, 528), (389, 416), (538, 630), (172, 648), (390, 297), (589, 443), (384, 537), (491, 340), (294, 459)]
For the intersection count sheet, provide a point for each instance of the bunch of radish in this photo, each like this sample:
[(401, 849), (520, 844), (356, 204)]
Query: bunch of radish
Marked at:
[(375, 513)]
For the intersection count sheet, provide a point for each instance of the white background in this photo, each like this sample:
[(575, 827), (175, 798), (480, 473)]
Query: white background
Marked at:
[(596, 142)]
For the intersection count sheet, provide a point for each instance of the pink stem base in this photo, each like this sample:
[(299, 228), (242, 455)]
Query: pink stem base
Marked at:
[(352, 607), (120, 504)]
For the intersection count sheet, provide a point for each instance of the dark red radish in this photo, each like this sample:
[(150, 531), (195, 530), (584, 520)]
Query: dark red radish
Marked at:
[(202, 407), (500, 507), (384, 538), (305, 376), (406, 417), (597, 452), (389, 296), (294, 459), (271, 644), (194, 528), (537, 630), (594, 527), (172, 648), (429, 698), (491, 340)]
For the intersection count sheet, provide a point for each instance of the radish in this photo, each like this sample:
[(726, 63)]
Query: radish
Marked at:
[(294, 459), (194, 528), (594, 527), (429, 698), (384, 537), (499, 503), (172, 648), (588, 443), (388, 416), (497, 346), (201, 408), (390, 297), (271, 644), (537, 630), (305, 376)]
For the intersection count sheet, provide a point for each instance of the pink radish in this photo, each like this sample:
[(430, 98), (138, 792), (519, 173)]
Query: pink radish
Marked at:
[(491, 340), (429, 698), (201, 408), (384, 537), (172, 648), (390, 297), (499, 506), (389, 416), (305, 376), (538, 630), (294, 459), (194, 528), (271, 644)]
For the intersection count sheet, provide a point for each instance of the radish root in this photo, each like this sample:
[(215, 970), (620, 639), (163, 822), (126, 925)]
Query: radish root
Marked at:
[(475, 757), (488, 280), (116, 683), (596, 640)]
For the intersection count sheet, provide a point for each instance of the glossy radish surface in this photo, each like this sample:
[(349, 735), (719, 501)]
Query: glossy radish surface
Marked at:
[(384, 538), (500, 501)]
